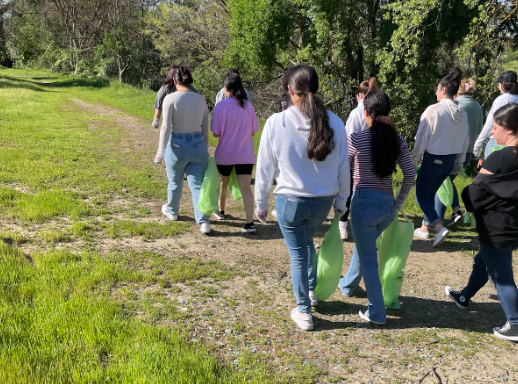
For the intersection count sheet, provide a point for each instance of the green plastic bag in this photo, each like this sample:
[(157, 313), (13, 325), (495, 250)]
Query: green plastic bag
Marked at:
[(497, 148), (234, 186), (393, 249), (469, 218), (329, 262), (445, 192), (209, 191)]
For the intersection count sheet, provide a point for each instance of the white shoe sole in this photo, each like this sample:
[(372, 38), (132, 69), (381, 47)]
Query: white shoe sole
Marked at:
[(167, 214), (500, 336), (364, 317)]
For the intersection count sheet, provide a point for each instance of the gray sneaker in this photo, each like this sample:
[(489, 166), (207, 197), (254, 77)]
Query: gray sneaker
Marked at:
[(507, 332)]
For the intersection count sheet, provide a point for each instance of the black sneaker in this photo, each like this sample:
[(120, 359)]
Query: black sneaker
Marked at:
[(507, 332), (455, 218), (249, 227), (220, 215), (459, 300)]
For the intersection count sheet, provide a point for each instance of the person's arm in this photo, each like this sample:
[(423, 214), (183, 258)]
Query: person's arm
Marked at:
[(219, 97), (205, 123), (407, 167), (344, 174), (165, 130), (158, 107), (352, 125), (249, 96), (488, 127), (215, 121), (424, 132), (459, 159), (255, 122), (265, 169)]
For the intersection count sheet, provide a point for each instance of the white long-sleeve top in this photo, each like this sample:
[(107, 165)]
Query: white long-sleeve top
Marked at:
[(356, 120), (500, 101), (443, 130), (184, 112), (284, 143)]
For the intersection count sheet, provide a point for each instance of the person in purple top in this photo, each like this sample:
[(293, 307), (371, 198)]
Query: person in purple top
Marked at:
[(234, 122)]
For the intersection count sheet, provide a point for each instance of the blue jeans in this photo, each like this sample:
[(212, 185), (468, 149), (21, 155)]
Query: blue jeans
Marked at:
[(440, 208), (434, 170), (186, 153), (491, 143), (299, 218), (498, 263), (372, 211)]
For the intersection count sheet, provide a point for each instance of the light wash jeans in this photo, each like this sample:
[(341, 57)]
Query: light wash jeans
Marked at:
[(186, 153), (440, 208), (299, 218), (434, 170), (498, 263), (372, 211)]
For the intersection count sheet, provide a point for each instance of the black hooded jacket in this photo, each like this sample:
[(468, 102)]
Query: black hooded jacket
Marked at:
[(494, 200)]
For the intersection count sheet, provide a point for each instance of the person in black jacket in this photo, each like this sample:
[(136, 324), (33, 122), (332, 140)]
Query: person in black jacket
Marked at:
[(493, 197)]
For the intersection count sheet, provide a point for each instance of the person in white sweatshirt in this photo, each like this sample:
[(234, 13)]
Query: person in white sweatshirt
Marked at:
[(309, 146), (356, 123), (508, 87), (441, 140)]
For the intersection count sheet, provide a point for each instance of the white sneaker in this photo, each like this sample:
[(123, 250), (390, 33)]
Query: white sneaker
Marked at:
[(439, 238), (366, 318), (168, 214), (303, 320), (205, 228), (343, 229), (313, 298), (421, 234), (274, 213)]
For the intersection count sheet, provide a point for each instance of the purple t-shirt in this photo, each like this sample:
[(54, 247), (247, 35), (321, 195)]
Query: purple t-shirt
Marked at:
[(235, 126)]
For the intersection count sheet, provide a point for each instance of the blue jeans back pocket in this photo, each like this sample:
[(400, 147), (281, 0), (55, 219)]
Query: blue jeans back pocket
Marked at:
[(289, 208)]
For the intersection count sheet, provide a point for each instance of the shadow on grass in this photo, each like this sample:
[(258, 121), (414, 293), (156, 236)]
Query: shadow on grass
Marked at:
[(13, 82), (94, 82), (417, 312)]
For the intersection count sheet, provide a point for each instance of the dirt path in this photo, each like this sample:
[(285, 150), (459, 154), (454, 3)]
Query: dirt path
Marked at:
[(427, 341)]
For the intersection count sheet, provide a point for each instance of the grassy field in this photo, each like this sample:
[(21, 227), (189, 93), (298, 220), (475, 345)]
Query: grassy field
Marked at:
[(96, 287), (59, 320)]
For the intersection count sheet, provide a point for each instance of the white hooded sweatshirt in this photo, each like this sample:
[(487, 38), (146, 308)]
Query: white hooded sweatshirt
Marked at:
[(356, 121), (443, 130), (284, 143)]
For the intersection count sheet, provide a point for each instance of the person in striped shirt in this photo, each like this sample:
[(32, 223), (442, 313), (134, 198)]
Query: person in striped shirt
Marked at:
[(373, 156)]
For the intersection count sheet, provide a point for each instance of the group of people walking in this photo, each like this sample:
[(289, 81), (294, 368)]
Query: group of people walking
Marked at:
[(322, 165)]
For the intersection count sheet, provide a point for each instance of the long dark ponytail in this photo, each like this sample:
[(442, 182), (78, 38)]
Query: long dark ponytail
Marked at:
[(385, 144), (169, 80), (303, 81), (451, 82), (232, 82)]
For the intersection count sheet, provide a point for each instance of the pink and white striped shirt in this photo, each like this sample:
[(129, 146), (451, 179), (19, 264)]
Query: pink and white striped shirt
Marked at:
[(360, 160)]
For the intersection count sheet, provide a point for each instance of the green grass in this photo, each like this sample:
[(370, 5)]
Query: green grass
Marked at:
[(59, 323), (82, 313)]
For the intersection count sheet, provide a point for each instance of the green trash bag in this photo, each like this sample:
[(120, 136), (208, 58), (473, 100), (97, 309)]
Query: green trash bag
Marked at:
[(393, 249), (329, 262), (469, 218), (209, 191), (497, 148), (234, 186), (445, 192)]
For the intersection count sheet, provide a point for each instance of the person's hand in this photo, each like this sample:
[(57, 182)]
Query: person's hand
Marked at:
[(456, 169), (156, 123), (477, 151), (480, 162), (158, 158), (399, 203), (261, 215), (339, 213)]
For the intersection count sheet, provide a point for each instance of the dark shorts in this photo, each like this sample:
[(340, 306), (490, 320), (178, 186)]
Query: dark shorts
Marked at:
[(241, 169)]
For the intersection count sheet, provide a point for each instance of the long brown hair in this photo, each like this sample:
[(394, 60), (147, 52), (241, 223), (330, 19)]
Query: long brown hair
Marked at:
[(303, 81)]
